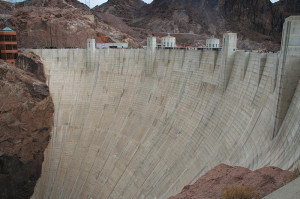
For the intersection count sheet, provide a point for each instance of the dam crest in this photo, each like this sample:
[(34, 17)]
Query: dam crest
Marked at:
[(135, 123)]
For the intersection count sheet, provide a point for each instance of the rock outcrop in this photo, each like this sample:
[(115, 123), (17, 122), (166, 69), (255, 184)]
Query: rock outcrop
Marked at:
[(31, 63), (5, 5), (51, 22), (251, 19), (288, 7), (26, 120), (60, 24), (215, 181), (258, 22), (126, 9), (54, 3)]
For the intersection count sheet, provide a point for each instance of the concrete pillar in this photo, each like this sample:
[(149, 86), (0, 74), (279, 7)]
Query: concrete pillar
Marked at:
[(228, 53), (289, 68), (150, 55), (90, 53), (151, 42), (91, 44)]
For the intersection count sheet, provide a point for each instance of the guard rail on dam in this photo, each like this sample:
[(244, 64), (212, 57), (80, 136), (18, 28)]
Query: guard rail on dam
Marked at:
[(144, 123)]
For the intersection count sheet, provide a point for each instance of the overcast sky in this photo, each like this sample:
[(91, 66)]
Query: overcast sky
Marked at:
[(99, 2)]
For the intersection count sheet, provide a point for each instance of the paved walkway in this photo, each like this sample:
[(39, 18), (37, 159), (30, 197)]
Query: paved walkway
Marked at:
[(289, 191)]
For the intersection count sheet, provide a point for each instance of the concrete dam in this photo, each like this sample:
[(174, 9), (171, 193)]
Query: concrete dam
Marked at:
[(135, 123)]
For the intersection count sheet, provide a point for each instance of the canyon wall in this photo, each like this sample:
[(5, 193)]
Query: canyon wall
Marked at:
[(26, 121)]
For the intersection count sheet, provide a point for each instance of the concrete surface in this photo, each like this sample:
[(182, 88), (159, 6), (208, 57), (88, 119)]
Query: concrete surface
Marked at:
[(140, 123), (289, 191)]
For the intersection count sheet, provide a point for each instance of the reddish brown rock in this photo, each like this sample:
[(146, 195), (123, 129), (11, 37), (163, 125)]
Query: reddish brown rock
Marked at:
[(126, 9), (60, 24), (26, 120), (5, 6), (258, 22), (30, 62), (64, 23), (54, 3), (213, 183)]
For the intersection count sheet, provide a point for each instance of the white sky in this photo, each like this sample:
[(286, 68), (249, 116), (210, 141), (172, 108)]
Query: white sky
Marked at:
[(99, 2)]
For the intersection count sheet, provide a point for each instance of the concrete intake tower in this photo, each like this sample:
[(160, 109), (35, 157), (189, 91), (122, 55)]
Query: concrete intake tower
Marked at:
[(135, 123)]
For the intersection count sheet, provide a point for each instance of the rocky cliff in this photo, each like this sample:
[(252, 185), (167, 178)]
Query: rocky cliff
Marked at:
[(51, 22), (125, 9), (54, 3), (258, 22), (61, 24), (288, 7), (5, 5), (213, 184), (26, 119)]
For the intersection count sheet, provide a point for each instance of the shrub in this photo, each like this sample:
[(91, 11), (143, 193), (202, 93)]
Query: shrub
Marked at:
[(295, 174), (240, 192)]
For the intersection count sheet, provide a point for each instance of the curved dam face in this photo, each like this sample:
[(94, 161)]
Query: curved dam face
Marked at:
[(143, 124)]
